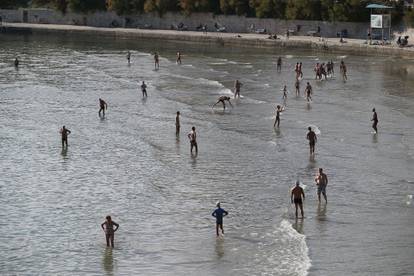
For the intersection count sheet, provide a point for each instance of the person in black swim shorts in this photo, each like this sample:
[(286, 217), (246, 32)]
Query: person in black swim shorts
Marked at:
[(297, 197)]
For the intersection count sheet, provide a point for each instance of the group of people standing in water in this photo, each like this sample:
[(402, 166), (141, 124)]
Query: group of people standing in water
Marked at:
[(297, 193)]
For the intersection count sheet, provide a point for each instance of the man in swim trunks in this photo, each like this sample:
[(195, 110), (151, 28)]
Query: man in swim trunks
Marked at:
[(193, 140), (321, 181), (64, 132), (297, 197), (102, 107), (308, 92), (222, 99), (178, 58), (177, 123), (144, 89), (279, 110), (311, 136), (237, 86), (374, 120), (219, 213), (108, 227)]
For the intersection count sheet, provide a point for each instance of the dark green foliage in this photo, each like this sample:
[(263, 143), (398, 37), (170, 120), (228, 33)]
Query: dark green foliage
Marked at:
[(12, 4), (87, 5)]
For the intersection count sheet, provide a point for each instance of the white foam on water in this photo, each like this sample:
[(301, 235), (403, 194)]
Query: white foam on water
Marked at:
[(341, 57), (289, 56), (315, 129)]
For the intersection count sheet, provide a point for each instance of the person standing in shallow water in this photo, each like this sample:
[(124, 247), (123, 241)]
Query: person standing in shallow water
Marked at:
[(219, 214), (128, 56), (374, 120), (64, 132), (237, 86), (193, 140), (279, 110), (144, 89), (156, 61), (108, 227), (178, 58), (16, 62), (102, 107), (311, 136), (321, 181), (297, 197), (279, 64), (177, 123)]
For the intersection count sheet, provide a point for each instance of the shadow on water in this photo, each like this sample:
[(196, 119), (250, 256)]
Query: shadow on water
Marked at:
[(308, 106), (219, 247), (144, 100), (375, 138), (312, 163), (298, 225), (194, 160), (321, 212), (278, 132), (177, 142), (108, 261), (64, 153)]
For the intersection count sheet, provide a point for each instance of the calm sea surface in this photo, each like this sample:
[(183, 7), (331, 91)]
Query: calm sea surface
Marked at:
[(132, 166)]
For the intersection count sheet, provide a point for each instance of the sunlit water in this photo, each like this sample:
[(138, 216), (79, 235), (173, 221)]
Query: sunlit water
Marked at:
[(131, 165)]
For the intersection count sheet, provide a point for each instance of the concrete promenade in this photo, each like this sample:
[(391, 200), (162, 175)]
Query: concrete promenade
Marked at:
[(353, 46)]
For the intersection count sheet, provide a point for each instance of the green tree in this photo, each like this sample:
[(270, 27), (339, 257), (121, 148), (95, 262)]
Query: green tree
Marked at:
[(161, 6), (190, 6), (303, 9), (87, 5), (12, 4), (269, 8)]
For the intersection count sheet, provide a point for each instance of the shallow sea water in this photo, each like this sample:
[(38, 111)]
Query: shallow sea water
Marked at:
[(131, 164)]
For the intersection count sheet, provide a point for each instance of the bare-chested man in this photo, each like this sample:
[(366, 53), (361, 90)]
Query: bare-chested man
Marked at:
[(308, 92), (297, 197), (64, 132), (342, 68), (222, 100), (193, 140), (311, 136), (279, 110), (144, 89), (237, 86), (102, 107), (178, 61), (321, 181)]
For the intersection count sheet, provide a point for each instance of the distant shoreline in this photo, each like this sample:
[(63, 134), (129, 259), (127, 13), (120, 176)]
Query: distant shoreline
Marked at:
[(353, 46)]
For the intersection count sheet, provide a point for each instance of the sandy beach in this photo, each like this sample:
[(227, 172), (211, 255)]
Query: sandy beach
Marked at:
[(354, 46)]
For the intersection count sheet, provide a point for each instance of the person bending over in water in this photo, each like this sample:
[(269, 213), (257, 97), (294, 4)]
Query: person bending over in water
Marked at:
[(156, 61), (297, 197), (177, 123), (342, 68), (237, 86), (311, 136), (108, 227), (102, 106), (374, 120), (222, 100), (279, 110), (193, 140), (308, 92), (178, 58), (321, 181), (144, 89), (219, 213), (64, 132)]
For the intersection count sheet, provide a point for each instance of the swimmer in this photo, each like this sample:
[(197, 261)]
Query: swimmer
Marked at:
[(219, 213), (279, 64), (297, 87), (308, 92), (297, 197), (311, 136), (64, 132), (374, 120), (342, 68), (178, 61), (16, 62), (156, 61), (177, 123), (102, 107), (108, 227), (128, 56), (222, 99), (237, 86), (144, 89), (193, 140), (321, 181), (279, 110)]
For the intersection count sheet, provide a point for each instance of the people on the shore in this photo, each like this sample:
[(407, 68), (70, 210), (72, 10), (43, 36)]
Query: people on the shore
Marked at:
[(374, 120), (237, 85), (177, 123), (222, 100), (297, 197), (16, 62), (311, 136), (342, 69), (64, 133), (279, 110), (308, 92), (279, 64), (108, 227), (102, 107), (128, 56), (321, 180), (219, 214), (178, 61), (193, 140), (156, 61), (144, 89)]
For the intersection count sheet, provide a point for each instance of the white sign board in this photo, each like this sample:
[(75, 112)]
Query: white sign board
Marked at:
[(376, 21)]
